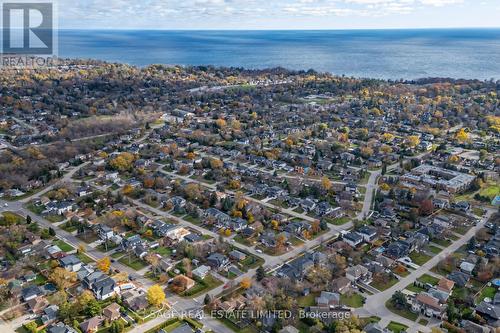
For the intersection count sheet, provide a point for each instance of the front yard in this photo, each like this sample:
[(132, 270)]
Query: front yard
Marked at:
[(65, 247), (419, 258), (396, 327), (354, 300), (133, 262), (428, 279)]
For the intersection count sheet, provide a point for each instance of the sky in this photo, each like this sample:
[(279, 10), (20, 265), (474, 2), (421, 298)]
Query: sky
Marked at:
[(277, 14)]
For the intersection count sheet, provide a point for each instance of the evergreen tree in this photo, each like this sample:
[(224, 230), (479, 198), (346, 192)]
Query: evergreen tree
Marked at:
[(261, 274)]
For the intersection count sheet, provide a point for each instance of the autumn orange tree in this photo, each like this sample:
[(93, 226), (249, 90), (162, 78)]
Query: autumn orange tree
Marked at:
[(245, 283), (103, 264), (155, 295), (62, 278)]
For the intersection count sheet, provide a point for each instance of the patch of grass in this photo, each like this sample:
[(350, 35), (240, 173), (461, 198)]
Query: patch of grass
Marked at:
[(423, 321), (111, 246), (63, 245), (203, 286), (401, 273), (117, 255), (434, 249), (11, 218), (414, 288), (308, 300), (490, 191), (163, 251), (488, 292), (193, 220), (396, 327), (54, 218), (428, 279), (40, 280), (88, 237), (84, 258), (36, 209), (419, 258), (134, 262), (405, 313), (251, 261), (338, 221), (354, 301), (383, 286), (442, 242), (462, 230)]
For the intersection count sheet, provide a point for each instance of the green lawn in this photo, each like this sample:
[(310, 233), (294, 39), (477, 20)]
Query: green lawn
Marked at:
[(414, 288), (36, 209), (203, 286), (486, 292), (441, 241), (423, 321), (111, 246), (64, 246), (490, 191), (309, 300), (12, 218), (419, 258), (40, 280), (354, 300), (397, 327), (84, 258), (462, 230), (405, 313), (383, 286), (434, 249), (134, 262), (428, 279), (338, 221), (117, 255), (163, 251), (53, 218), (193, 220)]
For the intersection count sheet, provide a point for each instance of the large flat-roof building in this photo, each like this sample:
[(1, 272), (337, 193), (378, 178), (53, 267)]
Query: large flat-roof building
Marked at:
[(439, 178)]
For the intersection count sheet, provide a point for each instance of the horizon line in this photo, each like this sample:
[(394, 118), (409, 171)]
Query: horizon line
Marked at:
[(282, 29)]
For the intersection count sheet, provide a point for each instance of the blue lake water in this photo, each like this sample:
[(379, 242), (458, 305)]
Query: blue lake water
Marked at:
[(388, 54)]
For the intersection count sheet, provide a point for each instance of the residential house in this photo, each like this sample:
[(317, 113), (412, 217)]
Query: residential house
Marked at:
[(461, 279), (445, 285), (298, 267), (489, 312), (31, 292), (184, 328), (37, 304), (308, 205), (91, 325), (49, 314), (218, 261), (237, 255), (104, 232), (375, 328), (61, 328), (135, 300), (71, 263), (428, 305), (353, 239), (201, 272), (58, 207), (111, 312), (328, 299), (397, 250), (368, 233), (358, 273), (341, 285)]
